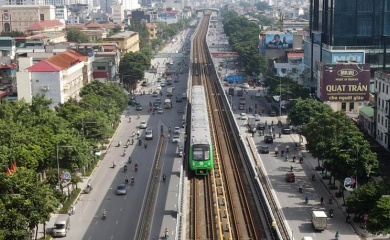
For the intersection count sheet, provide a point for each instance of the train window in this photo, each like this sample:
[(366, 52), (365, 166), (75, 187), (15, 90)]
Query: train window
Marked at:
[(197, 154)]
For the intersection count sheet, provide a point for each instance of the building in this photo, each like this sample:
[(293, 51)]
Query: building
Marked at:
[(45, 26), (20, 17), (347, 33), (118, 13), (59, 77), (382, 109), (127, 41), (8, 49), (22, 2), (152, 30)]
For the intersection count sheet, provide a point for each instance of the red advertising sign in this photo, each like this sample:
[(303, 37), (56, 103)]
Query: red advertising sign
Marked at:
[(224, 55), (345, 82)]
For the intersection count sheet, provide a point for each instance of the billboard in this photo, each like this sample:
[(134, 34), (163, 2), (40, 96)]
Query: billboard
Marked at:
[(279, 41), (338, 57), (345, 82)]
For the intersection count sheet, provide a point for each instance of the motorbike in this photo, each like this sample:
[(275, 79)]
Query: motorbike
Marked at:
[(104, 215), (180, 153), (313, 177), (136, 167), (331, 213), (306, 200), (113, 165), (164, 178), (124, 153), (125, 168), (126, 180), (300, 189), (130, 160), (132, 181), (348, 219)]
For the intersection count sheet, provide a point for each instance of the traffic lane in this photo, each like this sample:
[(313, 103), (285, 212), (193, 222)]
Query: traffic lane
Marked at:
[(296, 212), (165, 210)]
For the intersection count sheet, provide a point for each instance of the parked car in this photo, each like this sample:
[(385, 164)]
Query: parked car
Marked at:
[(264, 149), (154, 94), (243, 116), (260, 126), (257, 117), (176, 139), (272, 113), (176, 130), (143, 125), (121, 189), (138, 108), (268, 139)]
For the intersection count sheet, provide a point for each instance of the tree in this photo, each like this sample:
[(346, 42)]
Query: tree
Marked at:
[(305, 109), (12, 34), (75, 35)]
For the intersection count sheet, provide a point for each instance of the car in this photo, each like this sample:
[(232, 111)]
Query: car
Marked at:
[(268, 139), (143, 125), (257, 95), (148, 134), (245, 85), (241, 107), (158, 100), (144, 84), (264, 149), (286, 129), (176, 139), (252, 129), (179, 99), (176, 80), (162, 84), (290, 177), (272, 113), (158, 88), (243, 116), (260, 126), (121, 189), (154, 94), (160, 110), (138, 108), (257, 117), (176, 130)]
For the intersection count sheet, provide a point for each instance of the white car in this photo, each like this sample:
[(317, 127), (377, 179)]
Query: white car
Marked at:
[(162, 84), (143, 125), (158, 88), (148, 134), (245, 85), (243, 116), (176, 130), (257, 117), (176, 139)]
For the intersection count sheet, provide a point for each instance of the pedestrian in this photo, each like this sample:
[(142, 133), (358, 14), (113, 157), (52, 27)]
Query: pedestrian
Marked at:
[(145, 145), (140, 142)]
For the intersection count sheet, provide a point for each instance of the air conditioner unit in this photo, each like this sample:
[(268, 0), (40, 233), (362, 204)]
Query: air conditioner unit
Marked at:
[(45, 88)]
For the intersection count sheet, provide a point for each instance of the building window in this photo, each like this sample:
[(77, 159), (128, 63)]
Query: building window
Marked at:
[(343, 106), (42, 17), (351, 106)]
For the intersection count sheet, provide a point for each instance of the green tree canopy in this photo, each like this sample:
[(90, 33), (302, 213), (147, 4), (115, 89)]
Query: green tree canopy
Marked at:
[(75, 35)]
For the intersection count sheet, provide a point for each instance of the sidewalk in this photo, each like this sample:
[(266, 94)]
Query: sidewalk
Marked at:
[(338, 201)]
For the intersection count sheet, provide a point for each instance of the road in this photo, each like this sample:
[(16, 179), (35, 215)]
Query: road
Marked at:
[(292, 204), (123, 212)]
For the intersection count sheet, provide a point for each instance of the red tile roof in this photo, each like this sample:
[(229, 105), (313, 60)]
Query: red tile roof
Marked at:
[(7, 66), (93, 25), (295, 55), (44, 24), (58, 62), (44, 66)]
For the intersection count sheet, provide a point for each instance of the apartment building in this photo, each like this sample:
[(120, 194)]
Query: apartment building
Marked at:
[(382, 108), (127, 41)]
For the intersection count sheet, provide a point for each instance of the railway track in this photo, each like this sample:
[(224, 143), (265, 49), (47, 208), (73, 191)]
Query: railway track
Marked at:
[(222, 205)]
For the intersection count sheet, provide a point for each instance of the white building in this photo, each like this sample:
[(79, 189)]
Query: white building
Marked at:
[(381, 117), (59, 77), (118, 13)]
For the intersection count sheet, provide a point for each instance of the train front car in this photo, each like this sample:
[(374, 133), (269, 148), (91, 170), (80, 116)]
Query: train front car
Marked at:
[(201, 152)]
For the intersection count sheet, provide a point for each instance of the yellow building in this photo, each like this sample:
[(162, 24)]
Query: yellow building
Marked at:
[(20, 17), (127, 41)]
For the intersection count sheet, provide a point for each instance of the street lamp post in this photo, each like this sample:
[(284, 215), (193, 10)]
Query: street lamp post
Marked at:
[(280, 95), (58, 163)]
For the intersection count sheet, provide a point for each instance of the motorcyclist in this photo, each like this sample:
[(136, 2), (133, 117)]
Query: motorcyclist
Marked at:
[(125, 168), (132, 180), (322, 200), (306, 199), (166, 232), (113, 164), (119, 143), (294, 158), (130, 160), (124, 152), (276, 151), (313, 177), (292, 168), (164, 177), (136, 167), (126, 179), (300, 188), (331, 213), (104, 213), (169, 129)]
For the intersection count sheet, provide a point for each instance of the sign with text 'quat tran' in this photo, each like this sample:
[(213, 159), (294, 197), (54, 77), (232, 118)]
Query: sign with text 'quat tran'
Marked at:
[(345, 82)]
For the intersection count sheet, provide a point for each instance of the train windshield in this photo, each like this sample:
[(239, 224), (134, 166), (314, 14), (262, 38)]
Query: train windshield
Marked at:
[(201, 153)]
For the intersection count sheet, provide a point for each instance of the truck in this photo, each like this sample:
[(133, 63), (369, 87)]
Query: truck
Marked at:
[(231, 91), (319, 219), (61, 225), (169, 91)]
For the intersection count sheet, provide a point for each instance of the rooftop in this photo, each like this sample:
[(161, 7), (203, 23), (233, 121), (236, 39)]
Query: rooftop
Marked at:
[(125, 34)]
